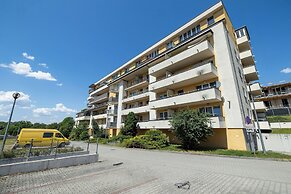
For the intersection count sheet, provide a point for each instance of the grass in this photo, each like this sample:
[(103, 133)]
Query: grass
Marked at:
[(8, 144), (281, 131), (226, 152), (273, 119)]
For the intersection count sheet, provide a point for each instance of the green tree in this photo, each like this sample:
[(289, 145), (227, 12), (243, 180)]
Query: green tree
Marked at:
[(66, 126), (53, 126), (191, 127), (130, 125), (76, 132)]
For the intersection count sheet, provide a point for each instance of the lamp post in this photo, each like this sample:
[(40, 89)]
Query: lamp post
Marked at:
[(15, 96), (257, 121)]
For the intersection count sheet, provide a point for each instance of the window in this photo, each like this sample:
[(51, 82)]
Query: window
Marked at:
[(198, 88), (163, 115), (240, 33), (210, 20), (196, 30), (47, 135), (170, 45), (268, 104), (58, 135), (137, 64), (180, 92), (216, 111), (285, 102)]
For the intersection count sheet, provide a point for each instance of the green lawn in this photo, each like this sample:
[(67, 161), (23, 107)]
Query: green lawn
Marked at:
[(282, 131), (274, 119), (225, 152)]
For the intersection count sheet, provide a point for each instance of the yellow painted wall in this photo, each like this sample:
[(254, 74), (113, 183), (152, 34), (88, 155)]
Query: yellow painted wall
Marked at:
[(219, 15), (236, 139), (176, 40), (218, 140), (203, 24), (112, 94)]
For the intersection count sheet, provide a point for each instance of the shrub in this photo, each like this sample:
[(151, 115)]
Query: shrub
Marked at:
[(119, 138), (84, 135), (191, 127), (153, 139)]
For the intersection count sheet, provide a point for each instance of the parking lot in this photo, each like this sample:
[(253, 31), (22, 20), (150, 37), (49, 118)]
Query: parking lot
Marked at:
[(143, 171)]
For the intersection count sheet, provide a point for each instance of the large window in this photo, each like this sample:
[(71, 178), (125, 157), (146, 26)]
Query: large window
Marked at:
[(163, 115), (212, 111), (206, 86)]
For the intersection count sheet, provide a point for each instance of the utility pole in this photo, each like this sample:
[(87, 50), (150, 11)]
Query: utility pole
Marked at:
[(15, 96), (257, 121)]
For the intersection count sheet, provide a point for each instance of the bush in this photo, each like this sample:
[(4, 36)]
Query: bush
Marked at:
[(191, 127), (153, 139), (119, 138), (84, 135)]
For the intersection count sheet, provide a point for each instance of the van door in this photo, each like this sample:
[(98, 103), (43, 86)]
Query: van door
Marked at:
[(59, 137), (47, 138)]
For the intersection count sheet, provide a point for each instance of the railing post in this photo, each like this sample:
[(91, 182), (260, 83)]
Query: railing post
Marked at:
[(51, 148), (97, 145), (30, 147), (56, 149), (88, 144)]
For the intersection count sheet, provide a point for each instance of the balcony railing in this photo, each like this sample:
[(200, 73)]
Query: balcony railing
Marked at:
[(111, 125), (103, 105), (112, 112), (99, 98), (136, 93), (137, 81), (197, 96)]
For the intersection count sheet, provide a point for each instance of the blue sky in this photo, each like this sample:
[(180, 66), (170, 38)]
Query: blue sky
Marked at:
[(52, 50)]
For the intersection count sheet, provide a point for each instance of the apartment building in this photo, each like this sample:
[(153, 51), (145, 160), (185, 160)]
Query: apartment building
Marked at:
[(204, 65), (277, 99)]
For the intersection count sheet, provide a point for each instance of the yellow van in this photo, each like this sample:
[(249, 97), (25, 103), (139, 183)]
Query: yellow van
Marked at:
[(41, 138)]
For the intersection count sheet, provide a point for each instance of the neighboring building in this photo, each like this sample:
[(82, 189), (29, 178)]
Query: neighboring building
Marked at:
[(203, 65), (277, 99)]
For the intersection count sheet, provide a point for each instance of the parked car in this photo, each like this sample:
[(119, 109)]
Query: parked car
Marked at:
[(41, 138)]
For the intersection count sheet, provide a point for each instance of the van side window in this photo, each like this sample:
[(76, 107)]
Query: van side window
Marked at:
[(58, 135), (47, 135)]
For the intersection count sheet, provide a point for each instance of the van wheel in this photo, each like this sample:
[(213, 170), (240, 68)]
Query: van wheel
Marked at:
[(27, 146), (62, 145)]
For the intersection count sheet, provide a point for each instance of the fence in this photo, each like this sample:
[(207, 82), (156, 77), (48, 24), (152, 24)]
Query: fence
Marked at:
[(278, 111), (276, 142)]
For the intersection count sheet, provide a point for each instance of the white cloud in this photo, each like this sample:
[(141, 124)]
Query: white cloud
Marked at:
[(282, 81), (5, 110), (25, 69), (286, 70), (6, 96), (60, 84), (43, 65), (27, 56), (48, 111)]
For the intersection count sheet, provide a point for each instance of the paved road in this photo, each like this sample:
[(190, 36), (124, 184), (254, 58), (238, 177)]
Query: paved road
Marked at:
[(156, 172)]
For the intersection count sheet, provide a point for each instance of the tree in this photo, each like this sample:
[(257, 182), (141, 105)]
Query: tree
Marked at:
[(130, 125), (52, 126), (191, 127), (66, 126), (77, 131)]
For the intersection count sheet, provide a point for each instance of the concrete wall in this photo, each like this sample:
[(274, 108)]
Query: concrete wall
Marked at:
[(281, 125), (31, 166), (276, 142)]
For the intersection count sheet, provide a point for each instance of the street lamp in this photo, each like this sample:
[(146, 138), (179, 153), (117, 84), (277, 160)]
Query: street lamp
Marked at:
[(15, 96), (257, 121)]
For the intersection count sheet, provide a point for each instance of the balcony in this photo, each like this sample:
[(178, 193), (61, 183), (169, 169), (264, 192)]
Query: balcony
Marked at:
[(247, 58), (83, 118), (137, 84), (136, 110), (138, 96), (99, 99), (256, 89), (264, 125), (99, 106), (100, 116), (260, 106), (251, 73), (191, 98), (99, 90), (111, 125), (215, 122), (193, 54), (112, 112), (197, 73), (243, 43)]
